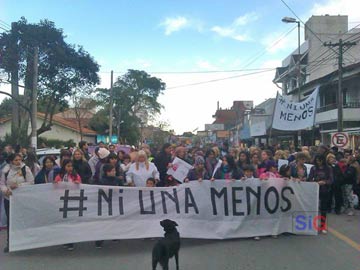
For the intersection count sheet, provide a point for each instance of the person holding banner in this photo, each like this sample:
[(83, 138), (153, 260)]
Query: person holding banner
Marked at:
[(141, 170), (162, 161), (298, 168), (228, 170), (13, 175), (210, 161), (244, 159), (47, 166), (198, 172), (68, 173), (271, 171), (322, 174)]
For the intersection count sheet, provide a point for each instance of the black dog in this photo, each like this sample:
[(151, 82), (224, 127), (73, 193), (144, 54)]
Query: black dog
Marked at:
[(167, 247)]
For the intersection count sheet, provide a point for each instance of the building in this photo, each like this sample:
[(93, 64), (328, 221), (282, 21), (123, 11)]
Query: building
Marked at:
[(319, 67), (62, 129)]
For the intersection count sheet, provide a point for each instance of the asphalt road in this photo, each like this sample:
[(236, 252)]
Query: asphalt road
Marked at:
[(340, 249)]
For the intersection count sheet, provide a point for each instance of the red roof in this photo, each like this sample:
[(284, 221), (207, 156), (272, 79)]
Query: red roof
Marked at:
[(225, 117), (69, 124)]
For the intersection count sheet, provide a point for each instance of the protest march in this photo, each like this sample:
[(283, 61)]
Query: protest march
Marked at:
[(212, 193)]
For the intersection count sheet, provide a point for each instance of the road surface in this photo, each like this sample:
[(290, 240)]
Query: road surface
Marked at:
[(340, 249)]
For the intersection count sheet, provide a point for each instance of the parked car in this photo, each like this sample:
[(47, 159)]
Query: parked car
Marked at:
[(43, 152)]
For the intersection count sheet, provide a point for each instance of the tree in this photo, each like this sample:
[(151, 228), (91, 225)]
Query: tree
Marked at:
[(135, 96), (62, 67)]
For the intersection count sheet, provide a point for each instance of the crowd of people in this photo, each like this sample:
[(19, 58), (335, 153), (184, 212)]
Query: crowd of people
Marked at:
[(337, 173)]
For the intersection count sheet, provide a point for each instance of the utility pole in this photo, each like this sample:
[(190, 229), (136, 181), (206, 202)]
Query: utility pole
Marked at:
[(34, 100), (111, 106), (341, 45), (15, 118)]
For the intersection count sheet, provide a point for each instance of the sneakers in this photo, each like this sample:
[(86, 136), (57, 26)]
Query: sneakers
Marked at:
[(350, 213), (6, 249), (257, 238), (324, 231)]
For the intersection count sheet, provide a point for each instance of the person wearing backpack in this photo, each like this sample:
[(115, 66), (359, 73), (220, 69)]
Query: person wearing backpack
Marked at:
[(14, 175)]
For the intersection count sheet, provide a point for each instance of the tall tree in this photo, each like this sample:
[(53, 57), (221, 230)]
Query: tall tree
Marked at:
[(62, 66), (136, 102)]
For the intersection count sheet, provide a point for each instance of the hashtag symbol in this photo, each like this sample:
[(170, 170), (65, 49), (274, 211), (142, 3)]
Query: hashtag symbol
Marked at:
[(66, 198)]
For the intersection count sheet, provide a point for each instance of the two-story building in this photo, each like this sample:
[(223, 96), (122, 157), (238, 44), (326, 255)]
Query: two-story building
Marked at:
[(318, 65)]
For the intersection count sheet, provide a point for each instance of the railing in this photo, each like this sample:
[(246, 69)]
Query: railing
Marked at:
[(350, 104)]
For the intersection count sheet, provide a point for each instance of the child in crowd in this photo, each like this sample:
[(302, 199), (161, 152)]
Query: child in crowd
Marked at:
[(150, 182), (249, 172), (271, 171), (67, 173), (285, 171), (109, 177)]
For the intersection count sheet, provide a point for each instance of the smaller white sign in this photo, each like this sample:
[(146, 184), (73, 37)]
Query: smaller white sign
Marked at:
[(308, 168), (179, 169), (282, 162)]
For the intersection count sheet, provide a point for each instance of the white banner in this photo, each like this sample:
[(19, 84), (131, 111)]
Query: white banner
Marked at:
[(55, 214), (290, 115), (179, 169)]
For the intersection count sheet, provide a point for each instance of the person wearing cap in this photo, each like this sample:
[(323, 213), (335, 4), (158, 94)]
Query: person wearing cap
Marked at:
[(103, 154), (198, 172), (271, 171), (141, 170), (94, 160)]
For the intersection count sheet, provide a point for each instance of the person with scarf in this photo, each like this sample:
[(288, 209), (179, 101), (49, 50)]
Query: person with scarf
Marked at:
[(228, 170), (15, 174), (47, 166)]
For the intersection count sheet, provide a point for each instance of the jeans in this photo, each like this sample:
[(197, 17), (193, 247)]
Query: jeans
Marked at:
[(324, 196), (347, 196), (7, 212)]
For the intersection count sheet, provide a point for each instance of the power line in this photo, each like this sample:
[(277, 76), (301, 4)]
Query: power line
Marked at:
[(217, 80), (198, 72)]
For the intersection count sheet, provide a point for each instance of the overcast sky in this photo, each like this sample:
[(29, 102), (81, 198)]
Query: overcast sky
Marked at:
[(170, 38)]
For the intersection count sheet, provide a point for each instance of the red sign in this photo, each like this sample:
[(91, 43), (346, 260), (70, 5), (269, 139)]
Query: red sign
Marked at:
[(340, 139)]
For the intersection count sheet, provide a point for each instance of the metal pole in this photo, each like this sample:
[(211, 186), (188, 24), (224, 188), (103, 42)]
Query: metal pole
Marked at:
[(340, 95), (34, 100), (299, 79), (111, 107)]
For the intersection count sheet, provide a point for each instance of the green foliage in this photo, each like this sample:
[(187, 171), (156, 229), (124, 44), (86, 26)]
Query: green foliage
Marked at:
[(100, 121), (6, 107), (63, 67), (55, 143), (135, 102)]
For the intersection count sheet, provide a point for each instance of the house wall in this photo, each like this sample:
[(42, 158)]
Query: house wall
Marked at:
[(56, 133)]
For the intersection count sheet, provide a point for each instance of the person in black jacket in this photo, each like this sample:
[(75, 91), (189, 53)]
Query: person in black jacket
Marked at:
[(162, 161), (350, 177), (108, 178), (43, 175), (338, 179), (228, 170), (81, 166)]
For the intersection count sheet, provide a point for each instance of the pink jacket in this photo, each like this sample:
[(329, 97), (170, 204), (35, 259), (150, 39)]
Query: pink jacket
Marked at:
[(267, 175), (68, 178)]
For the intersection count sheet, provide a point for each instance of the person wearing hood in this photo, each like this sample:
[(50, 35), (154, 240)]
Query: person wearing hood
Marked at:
[(13, 175), (103, 155), (141, 170)]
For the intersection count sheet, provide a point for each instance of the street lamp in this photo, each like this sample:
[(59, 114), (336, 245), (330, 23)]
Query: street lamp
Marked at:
[(293, 20)]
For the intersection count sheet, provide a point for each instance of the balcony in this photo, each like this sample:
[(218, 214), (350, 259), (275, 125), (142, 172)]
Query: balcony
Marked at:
[(329, 107), (328, 113)]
